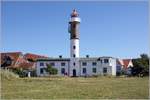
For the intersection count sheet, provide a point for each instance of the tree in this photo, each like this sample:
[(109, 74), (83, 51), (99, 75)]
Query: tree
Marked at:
[(141, 65), (51, 70), (7, 61)]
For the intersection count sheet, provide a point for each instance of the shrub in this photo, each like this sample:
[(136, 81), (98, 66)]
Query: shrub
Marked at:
[(33, 73), (51, 70), (20, 72), (6, 74)]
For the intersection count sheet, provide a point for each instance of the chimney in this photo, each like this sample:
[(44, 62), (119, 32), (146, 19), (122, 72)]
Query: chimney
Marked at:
[(99, 59), (60, 56), (87, 56)]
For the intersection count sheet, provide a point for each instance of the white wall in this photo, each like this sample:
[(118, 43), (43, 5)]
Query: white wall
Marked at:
[(57, 65), (89, 68), (76, 67), (113, 62), (111, 66), (74, 42)]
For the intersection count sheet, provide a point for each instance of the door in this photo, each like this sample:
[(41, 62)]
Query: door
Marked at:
[(74, 73)]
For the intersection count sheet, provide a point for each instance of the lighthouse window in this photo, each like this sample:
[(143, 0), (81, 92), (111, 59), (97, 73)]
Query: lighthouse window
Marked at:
[(74, 63), (74, 55), (74, 25), (74, 47)]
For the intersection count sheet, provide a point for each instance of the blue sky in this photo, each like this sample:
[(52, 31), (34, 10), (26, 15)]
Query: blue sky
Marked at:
[(118, 29)]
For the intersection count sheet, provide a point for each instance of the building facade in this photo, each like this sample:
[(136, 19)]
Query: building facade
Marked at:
[(87, 66), (75, 65)]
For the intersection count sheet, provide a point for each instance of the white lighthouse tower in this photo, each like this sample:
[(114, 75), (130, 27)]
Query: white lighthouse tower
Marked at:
[(74, 44)]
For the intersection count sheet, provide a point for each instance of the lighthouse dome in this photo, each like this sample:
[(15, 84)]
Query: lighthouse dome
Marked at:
[(74, 13)]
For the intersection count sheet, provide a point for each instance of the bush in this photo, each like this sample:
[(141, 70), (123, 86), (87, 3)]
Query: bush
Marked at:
[(141, 66), (33, 73), (51, 70), (20, 72), (118, 73), (6, 74)]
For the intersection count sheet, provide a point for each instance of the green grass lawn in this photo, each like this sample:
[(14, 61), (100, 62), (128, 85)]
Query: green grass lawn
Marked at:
[(70, 88)]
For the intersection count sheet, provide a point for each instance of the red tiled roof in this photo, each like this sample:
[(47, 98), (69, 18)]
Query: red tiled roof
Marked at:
[(25, 65), (20, 61), (126, 62), (33, 56), (13, 55)]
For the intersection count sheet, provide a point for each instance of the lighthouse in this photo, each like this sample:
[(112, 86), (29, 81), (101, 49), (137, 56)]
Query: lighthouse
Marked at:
[(75, 65), (74, 34), (74, 43)]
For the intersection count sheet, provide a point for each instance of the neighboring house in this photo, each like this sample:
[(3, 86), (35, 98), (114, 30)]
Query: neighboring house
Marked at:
[(18, 60), (119, 66), (33, 57), (12, 58), (127, 63), (124, 65)]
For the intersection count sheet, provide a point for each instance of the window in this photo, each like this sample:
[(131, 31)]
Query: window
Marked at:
[(62, 70), (94, 70), (84, 64), (84, 70), (74, 47), (74, 55), (73, 35), (63, 64), (41, 70), (105, 60), (8, 62), (101, 61), (104, 70), (74, 25), (94, 63), (41, 64), (74, 63), (52, 64)]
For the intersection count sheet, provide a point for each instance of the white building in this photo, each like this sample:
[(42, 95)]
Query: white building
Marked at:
[(76, 66)]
